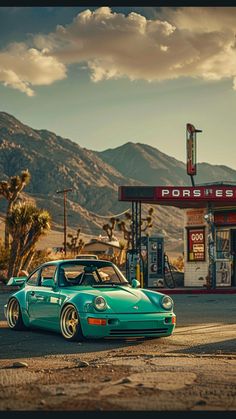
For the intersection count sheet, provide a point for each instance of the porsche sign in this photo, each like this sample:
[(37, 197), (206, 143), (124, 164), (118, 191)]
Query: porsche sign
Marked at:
[(196, 193), (167, 195)]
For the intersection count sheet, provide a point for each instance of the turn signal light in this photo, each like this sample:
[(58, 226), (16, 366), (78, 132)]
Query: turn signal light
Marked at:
[(97, 322), (173, 320)]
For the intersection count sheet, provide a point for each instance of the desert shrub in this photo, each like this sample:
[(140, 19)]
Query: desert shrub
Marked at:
[(40, 256), (178, 263), (4, 259)]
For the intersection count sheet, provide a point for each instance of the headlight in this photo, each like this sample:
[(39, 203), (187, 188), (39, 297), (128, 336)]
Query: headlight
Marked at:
[(167, 302), (100, 303)]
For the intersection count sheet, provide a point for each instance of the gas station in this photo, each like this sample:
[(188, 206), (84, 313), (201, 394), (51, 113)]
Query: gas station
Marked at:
[(209, 229)]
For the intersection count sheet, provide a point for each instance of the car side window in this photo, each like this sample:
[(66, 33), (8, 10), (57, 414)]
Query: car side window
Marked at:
[(33, 278), (48, 272)]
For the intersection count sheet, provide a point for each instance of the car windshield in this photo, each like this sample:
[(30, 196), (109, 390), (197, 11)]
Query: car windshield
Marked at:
[(90, 275)]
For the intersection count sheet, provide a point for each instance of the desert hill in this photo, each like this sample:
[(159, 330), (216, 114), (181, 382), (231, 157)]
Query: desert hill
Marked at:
[(56, 163)]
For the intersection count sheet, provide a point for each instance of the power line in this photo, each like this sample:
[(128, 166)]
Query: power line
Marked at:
[(109, 216)]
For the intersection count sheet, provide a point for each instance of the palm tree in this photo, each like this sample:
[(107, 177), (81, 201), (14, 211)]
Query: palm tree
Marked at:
[(26, 224), (11, 190)]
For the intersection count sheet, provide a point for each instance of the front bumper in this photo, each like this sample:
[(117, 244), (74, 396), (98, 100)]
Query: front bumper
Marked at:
[(129, 325)]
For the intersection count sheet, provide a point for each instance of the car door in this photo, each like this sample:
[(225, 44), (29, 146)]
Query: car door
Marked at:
[(44, 300), (31, 288)]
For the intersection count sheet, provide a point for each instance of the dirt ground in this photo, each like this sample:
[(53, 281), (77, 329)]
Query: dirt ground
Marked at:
[(193, 370)]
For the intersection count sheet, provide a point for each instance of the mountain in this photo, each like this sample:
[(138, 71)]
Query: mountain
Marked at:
[(145, 164), (56, 163), (152, 167)]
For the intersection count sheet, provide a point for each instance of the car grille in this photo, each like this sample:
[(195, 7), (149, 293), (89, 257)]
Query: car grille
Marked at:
[(136, 332)]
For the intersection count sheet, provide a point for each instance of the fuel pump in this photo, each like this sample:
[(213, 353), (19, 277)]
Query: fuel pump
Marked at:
[(134, 267), (152, 255)]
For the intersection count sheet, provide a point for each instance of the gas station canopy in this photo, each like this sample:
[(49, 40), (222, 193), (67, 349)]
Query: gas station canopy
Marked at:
[(218, 195)]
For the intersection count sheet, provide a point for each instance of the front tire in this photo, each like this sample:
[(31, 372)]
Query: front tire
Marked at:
[(70, 324), (14, 315)]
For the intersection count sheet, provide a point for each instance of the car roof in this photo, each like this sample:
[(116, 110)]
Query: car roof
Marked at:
[(94, 262)]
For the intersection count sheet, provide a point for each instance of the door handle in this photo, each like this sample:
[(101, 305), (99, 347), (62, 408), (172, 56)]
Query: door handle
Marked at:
[(39, 297)]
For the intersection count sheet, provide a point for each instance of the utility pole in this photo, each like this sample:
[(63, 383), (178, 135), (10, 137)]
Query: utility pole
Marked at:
[(64, 191)]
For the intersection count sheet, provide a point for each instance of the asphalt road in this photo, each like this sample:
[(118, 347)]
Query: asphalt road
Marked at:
[(205, 323), (194, 369)]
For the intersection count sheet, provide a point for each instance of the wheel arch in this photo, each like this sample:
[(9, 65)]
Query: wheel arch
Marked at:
[(68, 303), (76, 300), (72, 304), (23, 319), (21, 299)]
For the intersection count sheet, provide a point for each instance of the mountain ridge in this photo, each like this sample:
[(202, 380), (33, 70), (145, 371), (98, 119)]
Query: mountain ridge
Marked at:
[(56, 162)]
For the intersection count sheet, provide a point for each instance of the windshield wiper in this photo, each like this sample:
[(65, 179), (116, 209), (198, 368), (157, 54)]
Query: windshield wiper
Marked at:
[(105, 285), (111, 284)]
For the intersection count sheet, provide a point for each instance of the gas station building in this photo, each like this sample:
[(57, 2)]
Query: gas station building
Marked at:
[(209, 228)]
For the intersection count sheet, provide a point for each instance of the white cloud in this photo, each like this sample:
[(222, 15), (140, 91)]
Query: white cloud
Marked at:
[(191, 42), (201, 19), (186, 42), (22, 67), (10, 78)]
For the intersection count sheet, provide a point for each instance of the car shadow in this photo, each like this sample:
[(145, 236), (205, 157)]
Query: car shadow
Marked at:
[(37, 343), (217, 348), (184, 330)]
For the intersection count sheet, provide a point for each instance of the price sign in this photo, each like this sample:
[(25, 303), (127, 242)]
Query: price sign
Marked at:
[(196, 244)]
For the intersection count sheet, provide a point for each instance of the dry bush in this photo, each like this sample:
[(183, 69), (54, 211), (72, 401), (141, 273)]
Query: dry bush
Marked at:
[(178, 263), (40, 257), (4, 259)]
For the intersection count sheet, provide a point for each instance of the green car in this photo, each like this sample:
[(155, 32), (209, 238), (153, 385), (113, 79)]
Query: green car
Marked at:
[(88, 299)]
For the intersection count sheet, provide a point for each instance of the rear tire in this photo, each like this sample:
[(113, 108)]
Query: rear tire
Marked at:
[(70, 324), (14, 315)]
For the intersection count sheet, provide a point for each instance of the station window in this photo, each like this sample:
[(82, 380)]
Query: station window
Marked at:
[(222, 244)]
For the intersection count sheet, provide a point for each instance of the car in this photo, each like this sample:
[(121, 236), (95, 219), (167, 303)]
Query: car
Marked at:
[(88, 299)]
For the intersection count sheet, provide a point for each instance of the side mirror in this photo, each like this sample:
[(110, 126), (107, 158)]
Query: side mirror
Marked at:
[(48, 282), (18, 281), (135, 283)]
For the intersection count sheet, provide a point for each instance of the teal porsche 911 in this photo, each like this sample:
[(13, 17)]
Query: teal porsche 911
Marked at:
[(88, 298)]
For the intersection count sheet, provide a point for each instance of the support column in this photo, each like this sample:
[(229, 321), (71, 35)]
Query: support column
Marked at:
[(211, 247), (134, 267), (136, 227)]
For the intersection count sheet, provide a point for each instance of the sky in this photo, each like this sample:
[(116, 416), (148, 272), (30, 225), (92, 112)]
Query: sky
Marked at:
[(103, 76)]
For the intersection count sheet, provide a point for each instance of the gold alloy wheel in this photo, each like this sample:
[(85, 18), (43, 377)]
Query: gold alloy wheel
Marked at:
[(13, 312), (69, 322)]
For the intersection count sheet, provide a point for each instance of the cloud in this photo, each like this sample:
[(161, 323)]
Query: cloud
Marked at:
[(113, 45), (184, 42), (22, 67), (201, 19), (189, 42)]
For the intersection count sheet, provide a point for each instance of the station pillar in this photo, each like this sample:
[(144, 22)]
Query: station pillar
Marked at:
[(134, 267)]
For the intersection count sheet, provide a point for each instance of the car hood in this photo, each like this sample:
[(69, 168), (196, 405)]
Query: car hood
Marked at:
[(123, 299)]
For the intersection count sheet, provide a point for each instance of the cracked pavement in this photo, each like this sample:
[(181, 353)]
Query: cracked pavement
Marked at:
[(195, 369)]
